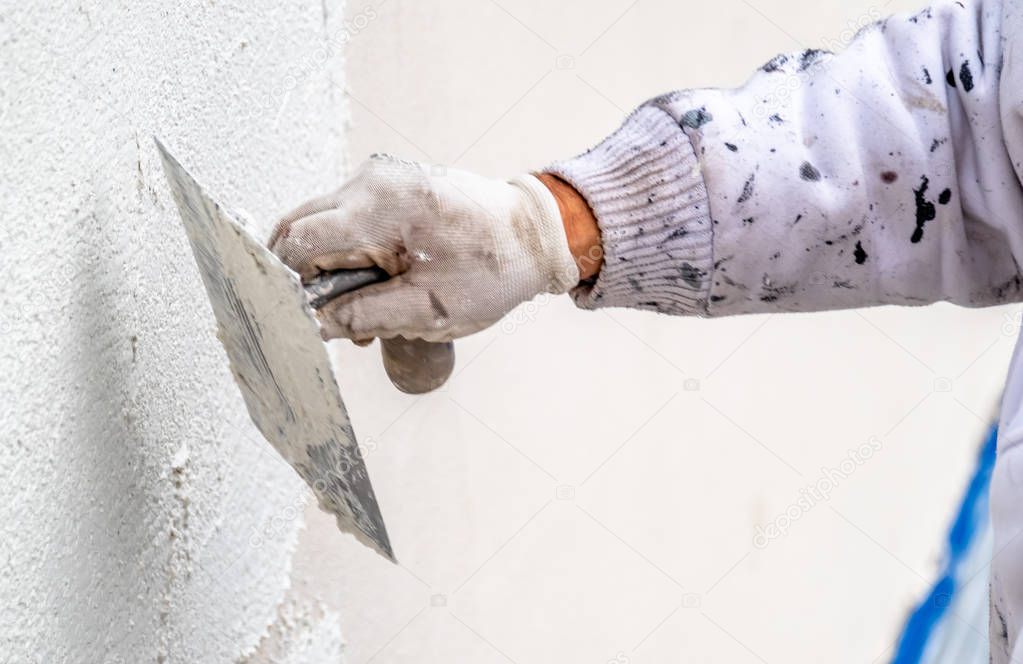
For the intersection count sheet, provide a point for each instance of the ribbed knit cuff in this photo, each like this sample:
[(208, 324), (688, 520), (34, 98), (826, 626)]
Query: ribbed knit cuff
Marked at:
[(644, 185)]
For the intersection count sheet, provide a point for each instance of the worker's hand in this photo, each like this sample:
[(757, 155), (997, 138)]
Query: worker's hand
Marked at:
[(463, 250)]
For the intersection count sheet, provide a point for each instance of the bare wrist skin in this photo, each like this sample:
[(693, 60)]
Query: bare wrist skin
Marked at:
[(580, 225)]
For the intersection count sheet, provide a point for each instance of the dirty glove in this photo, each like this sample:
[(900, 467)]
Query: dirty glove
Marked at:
[(463, 250)]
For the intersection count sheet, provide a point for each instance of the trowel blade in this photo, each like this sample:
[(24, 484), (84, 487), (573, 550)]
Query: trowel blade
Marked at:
[(278, 359)]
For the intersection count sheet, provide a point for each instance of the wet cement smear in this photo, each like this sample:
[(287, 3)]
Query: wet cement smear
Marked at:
[(278, 359)]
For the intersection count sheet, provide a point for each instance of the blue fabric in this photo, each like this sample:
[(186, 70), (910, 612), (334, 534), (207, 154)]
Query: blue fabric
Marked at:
[(971, 519)]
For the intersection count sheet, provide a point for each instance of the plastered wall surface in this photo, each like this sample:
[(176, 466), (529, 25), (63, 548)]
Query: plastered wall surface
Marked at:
[(589, 486), (144, 519)]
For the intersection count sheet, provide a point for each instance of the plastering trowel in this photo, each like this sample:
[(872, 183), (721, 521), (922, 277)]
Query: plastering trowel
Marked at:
[(267, 326)]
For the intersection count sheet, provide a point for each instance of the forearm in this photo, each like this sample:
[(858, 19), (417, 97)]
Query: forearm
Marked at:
[(581, 228), (825, 182)]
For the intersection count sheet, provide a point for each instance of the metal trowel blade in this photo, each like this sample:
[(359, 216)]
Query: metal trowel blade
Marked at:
[(278, 359)]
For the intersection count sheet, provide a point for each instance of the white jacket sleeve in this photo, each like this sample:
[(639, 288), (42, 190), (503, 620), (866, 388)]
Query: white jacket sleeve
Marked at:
[(889, 173)]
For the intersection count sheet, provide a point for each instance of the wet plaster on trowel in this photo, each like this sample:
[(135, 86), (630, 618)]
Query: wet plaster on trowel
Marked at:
[(143, 517), (277, 356)]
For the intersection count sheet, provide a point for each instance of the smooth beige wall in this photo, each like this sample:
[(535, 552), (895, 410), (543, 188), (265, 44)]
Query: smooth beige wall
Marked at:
[(589, 486)]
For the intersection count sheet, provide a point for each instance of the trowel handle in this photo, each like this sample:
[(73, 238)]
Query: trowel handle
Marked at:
[(413, 365), (416, 366)]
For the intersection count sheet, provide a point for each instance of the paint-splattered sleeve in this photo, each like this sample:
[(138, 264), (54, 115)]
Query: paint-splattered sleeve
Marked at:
[(888, 173)]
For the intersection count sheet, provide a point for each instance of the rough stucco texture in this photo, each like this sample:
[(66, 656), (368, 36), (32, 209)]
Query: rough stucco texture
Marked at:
[(143, 517)]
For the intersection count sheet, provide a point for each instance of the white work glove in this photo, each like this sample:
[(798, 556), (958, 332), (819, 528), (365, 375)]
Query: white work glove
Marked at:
[(463, 250)]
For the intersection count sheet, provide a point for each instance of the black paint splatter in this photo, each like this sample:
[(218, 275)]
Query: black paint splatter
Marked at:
[(945, 196), (950, 78), (775, 63), (889, 177), (966, 76), (1009, 287), (692, 275), (696, 118), (860, 255), (747, 189), (732, 147), (1003, 631), (677, 233), (938, 142), (771, 293), (776, 119), (748, 221), (925, 210), (809, 172), (925, 13), (927, 77), (809, 57)]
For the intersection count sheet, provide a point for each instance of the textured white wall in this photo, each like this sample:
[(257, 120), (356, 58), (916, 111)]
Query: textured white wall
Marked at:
[(663, 434), (143, 517), (565, 499)]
